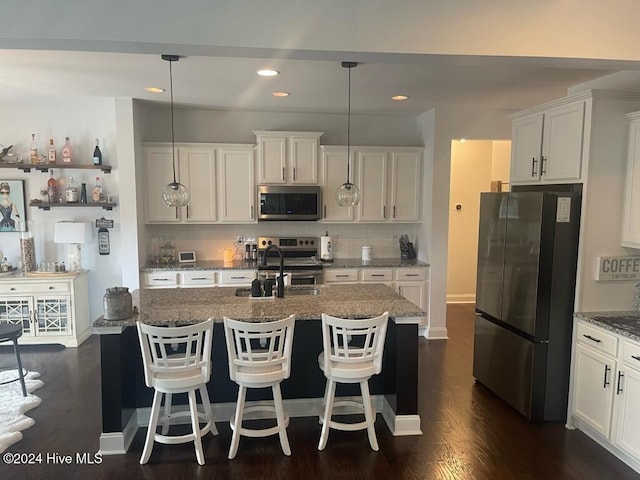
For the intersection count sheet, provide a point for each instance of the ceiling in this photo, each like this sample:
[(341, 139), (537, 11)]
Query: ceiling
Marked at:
[(314, 85)]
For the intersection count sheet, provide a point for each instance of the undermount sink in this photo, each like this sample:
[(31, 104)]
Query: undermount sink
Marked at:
[(288, 291)]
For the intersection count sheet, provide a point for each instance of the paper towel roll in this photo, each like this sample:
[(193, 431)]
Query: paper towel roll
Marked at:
[(326, 248)]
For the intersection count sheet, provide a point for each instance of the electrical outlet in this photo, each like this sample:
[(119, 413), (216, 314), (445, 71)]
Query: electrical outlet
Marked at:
[(239, 239)]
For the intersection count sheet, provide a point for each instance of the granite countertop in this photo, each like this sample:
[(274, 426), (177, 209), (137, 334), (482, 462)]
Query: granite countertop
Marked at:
[(626, 324), (252, 265), (181, 306)]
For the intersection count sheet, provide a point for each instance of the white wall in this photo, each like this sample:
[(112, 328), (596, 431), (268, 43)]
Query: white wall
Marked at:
[(83, 120)]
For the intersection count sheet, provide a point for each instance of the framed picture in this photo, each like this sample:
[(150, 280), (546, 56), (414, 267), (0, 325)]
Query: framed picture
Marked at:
[(13, 214)]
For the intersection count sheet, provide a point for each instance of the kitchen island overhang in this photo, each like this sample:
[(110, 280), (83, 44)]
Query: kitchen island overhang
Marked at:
[(126, 399)]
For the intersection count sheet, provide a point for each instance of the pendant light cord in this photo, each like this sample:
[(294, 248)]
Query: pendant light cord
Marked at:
[(173, 143), (348, 125)]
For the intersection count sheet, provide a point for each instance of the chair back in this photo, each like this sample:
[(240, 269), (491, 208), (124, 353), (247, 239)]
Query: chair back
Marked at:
[(259, 352), (176, 357), (353, 348)]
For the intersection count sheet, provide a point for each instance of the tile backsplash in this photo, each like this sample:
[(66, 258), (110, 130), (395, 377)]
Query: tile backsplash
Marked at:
[(210, 241)]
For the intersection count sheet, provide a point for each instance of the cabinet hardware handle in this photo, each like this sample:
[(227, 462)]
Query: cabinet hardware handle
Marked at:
[(12, 289), (606, 370), (635, 357), (252, 212), (282, 173), (52, 288), (542, 170), (238, 278), (597, 340), (342, 276), (324, 211), (384, 212), (411, 275), (377, 274), (619, 387), (187, 211), (533, 166), (176, 213), (294, 173), (199, 278), (394, 211), (160, 279)]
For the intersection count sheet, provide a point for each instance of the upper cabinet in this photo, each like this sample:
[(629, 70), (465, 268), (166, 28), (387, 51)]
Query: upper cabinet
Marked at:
[(631, 218), (334, 173), (288, 157), (547, 146), (219, 179)]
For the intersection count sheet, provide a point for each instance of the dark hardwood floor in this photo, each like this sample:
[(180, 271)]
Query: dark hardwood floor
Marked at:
[(468, 432)]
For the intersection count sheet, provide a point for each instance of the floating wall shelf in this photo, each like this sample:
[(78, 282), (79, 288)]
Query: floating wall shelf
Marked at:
[(49, 206), (26, 167)]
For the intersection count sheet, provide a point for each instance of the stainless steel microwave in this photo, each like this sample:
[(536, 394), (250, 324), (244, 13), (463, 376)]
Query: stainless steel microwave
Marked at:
[(289, 202)]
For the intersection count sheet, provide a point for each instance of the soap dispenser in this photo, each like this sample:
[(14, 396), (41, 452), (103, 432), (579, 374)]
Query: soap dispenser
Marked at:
[(256, 290)]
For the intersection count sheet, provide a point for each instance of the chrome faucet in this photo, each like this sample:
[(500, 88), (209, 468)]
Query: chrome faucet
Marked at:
[(280, 279)]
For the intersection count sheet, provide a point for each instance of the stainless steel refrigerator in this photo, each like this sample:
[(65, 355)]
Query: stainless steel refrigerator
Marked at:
[(527, 254)]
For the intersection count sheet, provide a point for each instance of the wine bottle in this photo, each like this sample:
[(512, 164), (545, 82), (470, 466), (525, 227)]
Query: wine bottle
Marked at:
[(66, 151), (52, 152), (33, 150), (97, 154), (52, 188)]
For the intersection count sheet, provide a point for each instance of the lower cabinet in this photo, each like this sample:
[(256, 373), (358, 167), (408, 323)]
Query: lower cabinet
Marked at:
[(606, 390), (197, 278), (50, 310)]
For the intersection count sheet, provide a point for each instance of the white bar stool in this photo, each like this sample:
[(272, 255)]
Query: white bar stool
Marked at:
[(259, 356), (177, 360), (352, 353)]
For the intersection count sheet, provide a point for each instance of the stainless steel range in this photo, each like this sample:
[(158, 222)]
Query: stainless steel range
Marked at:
[(301, 263)]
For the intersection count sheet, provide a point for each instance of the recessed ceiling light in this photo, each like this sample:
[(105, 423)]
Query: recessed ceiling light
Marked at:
[(399, 98), (280, 94), (154, 89), (267, 72)]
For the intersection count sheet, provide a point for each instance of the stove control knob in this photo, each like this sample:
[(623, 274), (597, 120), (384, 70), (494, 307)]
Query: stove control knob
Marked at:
[(313, 242), (300, 242), (269, 242), (264, 243)]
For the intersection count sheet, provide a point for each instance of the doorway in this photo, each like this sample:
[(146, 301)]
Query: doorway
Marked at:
[(476, 166)]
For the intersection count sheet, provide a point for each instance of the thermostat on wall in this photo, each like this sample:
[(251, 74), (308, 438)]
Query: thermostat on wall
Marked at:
[(186, 257)]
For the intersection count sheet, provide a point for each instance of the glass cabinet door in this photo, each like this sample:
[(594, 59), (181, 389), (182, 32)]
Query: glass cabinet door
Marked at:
[(17, 311), (52, 315)]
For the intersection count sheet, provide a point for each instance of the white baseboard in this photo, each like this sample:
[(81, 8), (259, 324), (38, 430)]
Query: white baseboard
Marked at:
[(461, 298), (117, 443), (433, 333), (399, 425)]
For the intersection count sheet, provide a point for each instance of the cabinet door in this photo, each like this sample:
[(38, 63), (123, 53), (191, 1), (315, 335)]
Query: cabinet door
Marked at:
[(631, 218), (562, 143), (303, 156), (372, 181), (334, 174), (53, 315), (593, 388), (526, 137), (415, 292), (198, 174), (272, 157), (237, 192), (405, 186), (628, 422), (17, 311), (158, 172)]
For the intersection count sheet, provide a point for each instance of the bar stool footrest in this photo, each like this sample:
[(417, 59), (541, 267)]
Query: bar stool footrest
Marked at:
[(259, 432)]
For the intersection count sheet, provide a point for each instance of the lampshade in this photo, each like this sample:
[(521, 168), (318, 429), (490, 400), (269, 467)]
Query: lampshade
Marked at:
[(72, 232)]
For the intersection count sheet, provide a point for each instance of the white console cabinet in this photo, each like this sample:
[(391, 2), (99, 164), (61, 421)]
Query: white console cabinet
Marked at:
[(50, 309)]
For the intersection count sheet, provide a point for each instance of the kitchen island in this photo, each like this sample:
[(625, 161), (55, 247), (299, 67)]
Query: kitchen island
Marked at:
[(126, 399)]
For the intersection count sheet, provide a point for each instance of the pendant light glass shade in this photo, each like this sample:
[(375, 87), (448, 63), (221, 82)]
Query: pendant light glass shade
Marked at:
[(348, 194), (175, 194)]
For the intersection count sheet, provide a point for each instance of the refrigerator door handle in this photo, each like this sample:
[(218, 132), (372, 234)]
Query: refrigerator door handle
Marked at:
[(619, 387), (606, 370)]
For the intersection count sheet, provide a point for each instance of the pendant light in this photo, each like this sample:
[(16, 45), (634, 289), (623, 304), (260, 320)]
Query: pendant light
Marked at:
[(348, 194), (175, 194)]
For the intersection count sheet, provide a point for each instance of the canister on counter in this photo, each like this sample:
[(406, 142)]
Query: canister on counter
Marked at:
[(117, 303)]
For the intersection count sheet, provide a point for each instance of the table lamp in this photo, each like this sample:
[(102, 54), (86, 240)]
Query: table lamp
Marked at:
[(73, 233)]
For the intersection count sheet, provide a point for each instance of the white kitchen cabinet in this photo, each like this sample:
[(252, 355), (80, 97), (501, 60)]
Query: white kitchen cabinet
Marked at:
[(389, 181), (547, 146), (180, 279), (288, 157), (198, 174), (341, 275), (605, 390), (334, 173), (236, 187), (160, 279), (198, 278), (157, 173), (236, 277), (631, 211), (50, 310)]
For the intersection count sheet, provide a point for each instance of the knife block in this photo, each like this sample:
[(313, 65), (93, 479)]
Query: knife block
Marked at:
[(408, 253)]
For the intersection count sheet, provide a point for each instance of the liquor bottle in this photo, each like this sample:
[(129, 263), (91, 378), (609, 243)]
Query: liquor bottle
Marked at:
[(33, 150), (52, 152), (97, 154), (52, 188), (71, 192), (66, 151), (96, 193), (83, 193)]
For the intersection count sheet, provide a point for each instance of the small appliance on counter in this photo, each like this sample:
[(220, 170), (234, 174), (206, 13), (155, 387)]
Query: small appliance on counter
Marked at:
[(326, 248)]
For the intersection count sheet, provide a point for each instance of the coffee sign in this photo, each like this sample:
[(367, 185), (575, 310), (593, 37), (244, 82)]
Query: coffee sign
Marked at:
[(618, 268)]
